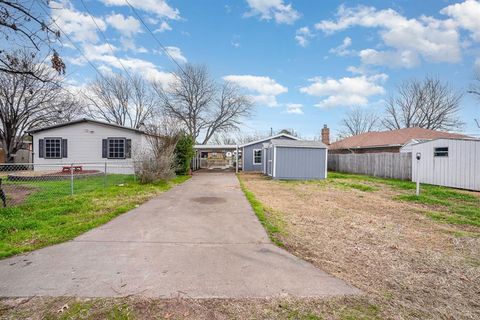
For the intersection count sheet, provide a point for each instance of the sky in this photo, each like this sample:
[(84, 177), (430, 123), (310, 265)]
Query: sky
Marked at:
[(304, 63)]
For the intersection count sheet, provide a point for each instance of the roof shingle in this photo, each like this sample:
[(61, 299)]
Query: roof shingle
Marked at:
[(391, 138)]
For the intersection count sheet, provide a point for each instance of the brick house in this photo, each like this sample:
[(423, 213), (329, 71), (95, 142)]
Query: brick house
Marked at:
[(386, 141)]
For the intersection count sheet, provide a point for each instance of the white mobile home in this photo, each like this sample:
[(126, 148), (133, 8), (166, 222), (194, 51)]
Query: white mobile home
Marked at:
[(87, 141), (448, 162)]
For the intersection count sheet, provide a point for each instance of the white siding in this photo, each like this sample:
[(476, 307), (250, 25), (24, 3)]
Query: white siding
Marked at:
[(461, 169), (85, 145)]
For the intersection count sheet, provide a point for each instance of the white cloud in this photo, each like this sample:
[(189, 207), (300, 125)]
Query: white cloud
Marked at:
[(164, 26), (127, 26), (347, 91), (294, 108), (466, 15), (273, 9), (78, 25), (102, 53), (303, 36), (432, 39), (176, 54), (157, 7), (405, 59), (343, 49), (129, 44), (266, 89)]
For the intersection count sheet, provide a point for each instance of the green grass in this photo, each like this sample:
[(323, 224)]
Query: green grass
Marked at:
[(269, 220), (358, 186), (51, 215), (447, 205)]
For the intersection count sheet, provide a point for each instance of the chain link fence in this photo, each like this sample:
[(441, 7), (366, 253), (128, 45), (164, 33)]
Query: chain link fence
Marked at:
[(20, 182)]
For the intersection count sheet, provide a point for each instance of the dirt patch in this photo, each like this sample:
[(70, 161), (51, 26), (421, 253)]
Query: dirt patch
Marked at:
[(409, 265), (209, 200), (16, 194)]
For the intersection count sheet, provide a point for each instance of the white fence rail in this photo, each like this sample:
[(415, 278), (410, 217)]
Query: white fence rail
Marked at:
[(19, 181), (383, 165)]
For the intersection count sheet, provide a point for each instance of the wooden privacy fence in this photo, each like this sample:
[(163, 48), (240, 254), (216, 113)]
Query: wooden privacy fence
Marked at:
[(384, 165)]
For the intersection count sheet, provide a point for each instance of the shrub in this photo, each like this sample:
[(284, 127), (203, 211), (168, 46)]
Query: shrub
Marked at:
[(158, 161), (183, 154)]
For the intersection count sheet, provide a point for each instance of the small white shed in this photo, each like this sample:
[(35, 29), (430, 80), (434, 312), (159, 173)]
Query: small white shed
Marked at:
[(295, 159), (448, 162)]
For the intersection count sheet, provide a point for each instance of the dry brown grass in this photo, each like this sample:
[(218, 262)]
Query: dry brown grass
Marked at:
[(409, 265), (184, 308)]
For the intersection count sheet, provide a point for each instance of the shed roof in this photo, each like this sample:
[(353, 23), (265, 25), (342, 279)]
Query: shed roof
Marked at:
[(298, 143), (393, 138), (214, 146), (65, 124), (460, 139), (270, 138)]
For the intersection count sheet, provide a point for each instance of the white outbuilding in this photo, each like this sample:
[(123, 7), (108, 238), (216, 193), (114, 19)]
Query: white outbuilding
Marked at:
[(88, 142), (448, 162)]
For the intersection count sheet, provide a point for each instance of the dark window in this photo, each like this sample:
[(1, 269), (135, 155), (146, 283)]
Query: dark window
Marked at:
[(257, 156), (116, 148), (441, 152), (53, 148)]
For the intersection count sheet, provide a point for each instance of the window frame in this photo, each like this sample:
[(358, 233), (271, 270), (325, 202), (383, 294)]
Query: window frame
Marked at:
[(45, 147), (124, 147), (440, 153), (261, 156)]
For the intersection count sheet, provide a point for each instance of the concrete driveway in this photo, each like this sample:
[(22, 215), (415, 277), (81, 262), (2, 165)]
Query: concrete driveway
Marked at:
[(201, 239)]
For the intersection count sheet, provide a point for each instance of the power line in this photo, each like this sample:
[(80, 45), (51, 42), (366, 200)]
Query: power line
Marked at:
[(106, 40), (71, 41), (155, 38)]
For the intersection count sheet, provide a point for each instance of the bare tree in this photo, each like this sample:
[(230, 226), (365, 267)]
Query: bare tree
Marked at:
[(475, 90), (201, 105), (121, 100), (26, 101), (23, 24), (223, 138), (428, 104), (358, 121), (67, 107)]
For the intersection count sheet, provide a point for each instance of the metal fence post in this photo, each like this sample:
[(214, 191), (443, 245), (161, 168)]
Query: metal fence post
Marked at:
[(105, 176), (71, 179)]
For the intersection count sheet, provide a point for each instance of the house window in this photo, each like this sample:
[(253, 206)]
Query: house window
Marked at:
[(257, 156), (53, 148), (441, 152), (116, 148)]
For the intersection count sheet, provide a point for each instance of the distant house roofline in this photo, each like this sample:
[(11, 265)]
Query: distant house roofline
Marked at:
[(269, 138), (393, 138), (65, 124)]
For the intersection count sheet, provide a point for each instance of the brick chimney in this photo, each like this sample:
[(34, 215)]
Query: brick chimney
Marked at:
[(326, 135)]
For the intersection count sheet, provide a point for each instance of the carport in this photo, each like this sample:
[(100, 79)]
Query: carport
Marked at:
[(223, 157)]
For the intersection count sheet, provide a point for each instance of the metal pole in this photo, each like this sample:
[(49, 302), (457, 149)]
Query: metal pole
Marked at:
[(418, 176), (236, 160), (71, 179)]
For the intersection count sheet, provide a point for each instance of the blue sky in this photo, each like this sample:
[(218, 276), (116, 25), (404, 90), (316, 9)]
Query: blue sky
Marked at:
[(305, 63)]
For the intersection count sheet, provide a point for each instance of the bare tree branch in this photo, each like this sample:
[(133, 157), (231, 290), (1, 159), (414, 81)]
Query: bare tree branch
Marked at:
[(203, 107), (358, 121), (118, 100), (428, 104), (21, 22), (27, 102)]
